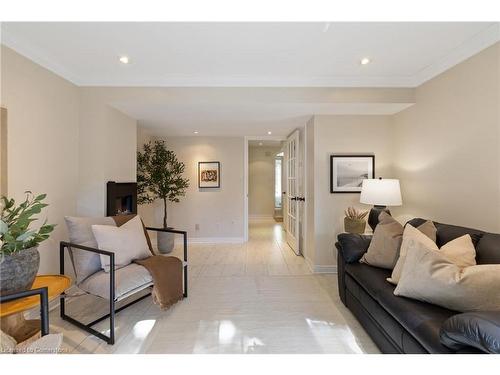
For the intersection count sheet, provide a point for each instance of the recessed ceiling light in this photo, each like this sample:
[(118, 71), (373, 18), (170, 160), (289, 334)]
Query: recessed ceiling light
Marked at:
[(124, 59), (365, 61), (195, 132), (269, 133)]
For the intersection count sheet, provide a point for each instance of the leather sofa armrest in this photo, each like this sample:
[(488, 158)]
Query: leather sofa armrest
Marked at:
[(478, 329), (353, 246)]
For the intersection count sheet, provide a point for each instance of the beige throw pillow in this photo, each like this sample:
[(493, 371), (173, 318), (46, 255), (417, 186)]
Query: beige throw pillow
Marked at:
[(128, 242), (431, 277), (384, 247), (459, 251), (385, 243)]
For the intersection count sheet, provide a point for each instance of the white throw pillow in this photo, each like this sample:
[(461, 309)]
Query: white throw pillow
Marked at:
[(128, 242), (459, 251), (431, 277)]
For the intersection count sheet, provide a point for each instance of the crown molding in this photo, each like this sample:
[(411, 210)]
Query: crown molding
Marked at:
[(26, 49), (480, 41), (484, 39)]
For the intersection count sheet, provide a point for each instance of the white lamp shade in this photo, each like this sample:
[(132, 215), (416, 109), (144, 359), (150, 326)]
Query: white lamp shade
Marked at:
[(381, 192)]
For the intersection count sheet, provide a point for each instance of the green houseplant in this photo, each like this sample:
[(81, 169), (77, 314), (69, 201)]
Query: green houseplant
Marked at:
[(19, 257), (159, 176)]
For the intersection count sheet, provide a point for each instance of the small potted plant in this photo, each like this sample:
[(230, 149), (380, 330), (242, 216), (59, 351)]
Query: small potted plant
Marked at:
[(159, 176), (19, 257), (354, 221)]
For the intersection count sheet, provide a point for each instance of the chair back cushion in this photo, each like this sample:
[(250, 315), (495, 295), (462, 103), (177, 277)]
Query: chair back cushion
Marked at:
[(84, 262)]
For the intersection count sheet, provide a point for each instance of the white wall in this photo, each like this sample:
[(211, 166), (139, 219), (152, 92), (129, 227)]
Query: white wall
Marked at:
[(447, 146), (341, 134), (219, 212), (261, 181), (42, 142)]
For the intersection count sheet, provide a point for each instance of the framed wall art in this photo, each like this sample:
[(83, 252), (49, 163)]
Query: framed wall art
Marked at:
[(347, 172), (209, 174)]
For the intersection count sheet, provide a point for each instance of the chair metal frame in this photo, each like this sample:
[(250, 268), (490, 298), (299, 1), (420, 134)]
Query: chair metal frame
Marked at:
[(112, 299)]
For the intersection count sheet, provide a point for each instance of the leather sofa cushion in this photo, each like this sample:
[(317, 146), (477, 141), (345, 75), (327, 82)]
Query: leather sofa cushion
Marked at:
[(488, 249), (422, 320), (446, 233)]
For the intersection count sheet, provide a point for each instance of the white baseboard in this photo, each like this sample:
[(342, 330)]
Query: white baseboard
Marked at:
[(259, 217), (320, 268), (213, 240)]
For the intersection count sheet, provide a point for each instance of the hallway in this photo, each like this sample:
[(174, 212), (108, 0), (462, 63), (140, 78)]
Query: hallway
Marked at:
[(257, 297)]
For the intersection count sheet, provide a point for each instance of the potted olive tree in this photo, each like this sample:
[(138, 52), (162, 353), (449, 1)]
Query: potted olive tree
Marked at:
[(19, 257), (159, 176)]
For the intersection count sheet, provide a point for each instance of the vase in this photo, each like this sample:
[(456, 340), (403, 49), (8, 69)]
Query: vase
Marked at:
[(354, 225), (165, 241), (18, 270)]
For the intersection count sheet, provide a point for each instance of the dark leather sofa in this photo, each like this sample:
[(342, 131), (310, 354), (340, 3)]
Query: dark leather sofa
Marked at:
[(399, 324)]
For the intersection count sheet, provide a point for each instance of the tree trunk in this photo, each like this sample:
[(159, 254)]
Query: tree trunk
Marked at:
[(164, 213)]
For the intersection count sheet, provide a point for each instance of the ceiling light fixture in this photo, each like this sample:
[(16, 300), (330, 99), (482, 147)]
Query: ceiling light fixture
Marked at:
[(365, 61), (269, 133), (260, 143), (195, 132), (124, 59)]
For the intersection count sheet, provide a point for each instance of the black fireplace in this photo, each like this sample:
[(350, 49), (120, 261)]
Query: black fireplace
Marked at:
[(121, 198)]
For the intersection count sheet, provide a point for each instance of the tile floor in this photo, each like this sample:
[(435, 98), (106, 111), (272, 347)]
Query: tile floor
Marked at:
[(257, 297)]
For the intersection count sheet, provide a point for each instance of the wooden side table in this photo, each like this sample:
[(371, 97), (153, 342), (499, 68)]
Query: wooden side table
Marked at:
[(44, 289)]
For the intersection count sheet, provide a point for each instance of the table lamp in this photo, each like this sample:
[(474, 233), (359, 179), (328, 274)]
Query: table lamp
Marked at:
[(380, 193)]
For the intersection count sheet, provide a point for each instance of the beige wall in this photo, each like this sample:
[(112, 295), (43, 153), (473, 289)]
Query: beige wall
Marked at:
[(447, 146), (3, 151), (261, 181), (309, 235), (107, 150), (340, 134), (219, 212), (64, 141), (43, 142)]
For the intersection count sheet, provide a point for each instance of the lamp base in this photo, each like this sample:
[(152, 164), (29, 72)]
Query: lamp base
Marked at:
[(374, 214)]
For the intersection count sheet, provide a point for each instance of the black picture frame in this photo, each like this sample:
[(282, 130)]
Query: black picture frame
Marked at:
[(205, 185), (334, 187)]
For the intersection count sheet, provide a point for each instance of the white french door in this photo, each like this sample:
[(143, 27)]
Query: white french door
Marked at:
[(292, 217)]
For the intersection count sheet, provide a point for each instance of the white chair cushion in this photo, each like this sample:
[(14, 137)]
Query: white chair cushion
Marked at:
[(84, 262), (128, 242), (127, 280)]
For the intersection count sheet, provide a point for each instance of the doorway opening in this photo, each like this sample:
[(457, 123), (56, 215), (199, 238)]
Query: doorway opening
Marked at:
[(265, 179)]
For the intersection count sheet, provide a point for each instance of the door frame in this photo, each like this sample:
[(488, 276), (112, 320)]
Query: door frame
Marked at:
[(245, 173)]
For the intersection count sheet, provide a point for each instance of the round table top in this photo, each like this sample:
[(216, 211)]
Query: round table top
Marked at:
[(56, 284)]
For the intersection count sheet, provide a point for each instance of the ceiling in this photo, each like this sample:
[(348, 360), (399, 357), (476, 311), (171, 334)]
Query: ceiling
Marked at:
[(264, 143), (230, 111), (283, 54)]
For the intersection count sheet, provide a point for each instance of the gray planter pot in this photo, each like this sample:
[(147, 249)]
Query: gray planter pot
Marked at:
[(18, 270), (166, 242)]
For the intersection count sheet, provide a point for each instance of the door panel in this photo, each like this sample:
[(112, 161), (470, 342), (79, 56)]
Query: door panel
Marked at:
[(292, 193)]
